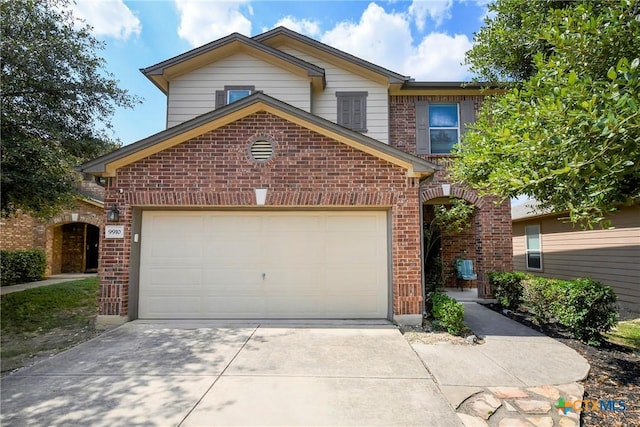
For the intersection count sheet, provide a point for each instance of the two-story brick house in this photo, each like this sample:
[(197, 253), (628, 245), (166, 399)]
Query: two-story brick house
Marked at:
[(290, 183)]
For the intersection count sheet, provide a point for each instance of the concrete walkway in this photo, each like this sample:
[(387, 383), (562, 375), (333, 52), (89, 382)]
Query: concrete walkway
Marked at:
[(51, 280), (514, 378)]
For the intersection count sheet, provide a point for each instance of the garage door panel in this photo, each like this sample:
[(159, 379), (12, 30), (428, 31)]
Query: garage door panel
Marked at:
[(288, 222), (225, 222), (170, 278), (184, 225), (315, 264), (350, 224), (222, 249), (174, 306), (235, 307)]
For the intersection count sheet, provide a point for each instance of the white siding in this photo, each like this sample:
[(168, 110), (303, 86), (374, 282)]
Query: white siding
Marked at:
[(324, 104), (193, 94)]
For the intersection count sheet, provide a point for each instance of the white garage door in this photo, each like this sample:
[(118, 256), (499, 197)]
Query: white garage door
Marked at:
[(208, 265)]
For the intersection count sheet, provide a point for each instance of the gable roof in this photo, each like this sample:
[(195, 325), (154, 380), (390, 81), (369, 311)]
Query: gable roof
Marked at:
[(161, 73), (107, 165), (277, 35)]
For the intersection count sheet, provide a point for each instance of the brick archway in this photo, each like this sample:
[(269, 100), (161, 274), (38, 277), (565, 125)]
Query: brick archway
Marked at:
[(89, 217), (488, 244)]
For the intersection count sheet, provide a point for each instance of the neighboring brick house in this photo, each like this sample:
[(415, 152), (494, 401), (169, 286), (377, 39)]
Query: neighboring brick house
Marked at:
[(70, 239), (290, 183)]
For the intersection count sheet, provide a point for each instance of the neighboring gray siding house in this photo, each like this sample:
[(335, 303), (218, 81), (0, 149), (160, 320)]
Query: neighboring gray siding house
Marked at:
[(545, 245)]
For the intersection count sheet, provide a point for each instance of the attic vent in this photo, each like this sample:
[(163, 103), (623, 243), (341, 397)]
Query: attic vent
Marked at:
[(261, 150)]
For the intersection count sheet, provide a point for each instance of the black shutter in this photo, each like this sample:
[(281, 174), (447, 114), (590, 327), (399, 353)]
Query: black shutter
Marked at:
[(467, 115), (422, 127), (221, 98), (344, 111)]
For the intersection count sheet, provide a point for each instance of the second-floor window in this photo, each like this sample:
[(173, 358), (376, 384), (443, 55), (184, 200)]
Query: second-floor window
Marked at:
[(439, 125), (232, 93), (352, 110)]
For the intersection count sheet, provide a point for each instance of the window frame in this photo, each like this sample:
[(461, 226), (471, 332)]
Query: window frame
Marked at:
[(466, 116), (222, 96), (437, 128), (351, 97), (529, 251)]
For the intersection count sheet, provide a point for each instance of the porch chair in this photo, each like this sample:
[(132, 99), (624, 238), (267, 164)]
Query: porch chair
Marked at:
[(464, 271)]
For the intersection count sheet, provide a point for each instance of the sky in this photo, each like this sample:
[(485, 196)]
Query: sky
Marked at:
[(424, 39)]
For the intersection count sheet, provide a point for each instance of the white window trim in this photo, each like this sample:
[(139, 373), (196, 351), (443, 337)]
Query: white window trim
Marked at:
[(527, 251)]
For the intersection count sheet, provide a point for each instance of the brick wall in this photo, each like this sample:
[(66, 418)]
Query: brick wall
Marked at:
[(24, 232), (307, 169), (19, 232), (488, 244)]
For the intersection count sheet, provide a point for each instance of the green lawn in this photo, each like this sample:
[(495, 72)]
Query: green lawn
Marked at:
[(46, 320), (626, 333)]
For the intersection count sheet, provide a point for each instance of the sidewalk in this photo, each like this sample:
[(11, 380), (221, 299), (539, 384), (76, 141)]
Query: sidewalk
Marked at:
[(514, 378), (52, 280)]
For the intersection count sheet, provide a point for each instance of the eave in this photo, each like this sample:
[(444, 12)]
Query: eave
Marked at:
[(108, 164), (163, 72)]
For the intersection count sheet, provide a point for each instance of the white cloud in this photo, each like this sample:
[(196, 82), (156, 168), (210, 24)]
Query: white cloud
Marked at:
[(439, 57), (385, 39), (380, 37), (436, 10), (110, 18), (205, 21), (303, 26)]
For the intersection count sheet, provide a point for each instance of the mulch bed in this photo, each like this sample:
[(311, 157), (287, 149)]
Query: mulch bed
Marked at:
[(614, 374)]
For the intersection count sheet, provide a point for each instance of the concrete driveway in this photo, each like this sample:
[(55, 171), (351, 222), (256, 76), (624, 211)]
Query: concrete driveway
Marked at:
[(206, 374)]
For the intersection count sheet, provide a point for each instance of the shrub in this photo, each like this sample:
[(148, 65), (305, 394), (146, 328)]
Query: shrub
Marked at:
[(587, 309), (507, 288), (448, 312), (541, 295), (21, 266)]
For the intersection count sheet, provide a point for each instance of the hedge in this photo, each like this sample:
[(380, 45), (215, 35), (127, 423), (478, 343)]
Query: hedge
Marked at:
[(21, 266), (448, 312), (584, 306), (507, 288)]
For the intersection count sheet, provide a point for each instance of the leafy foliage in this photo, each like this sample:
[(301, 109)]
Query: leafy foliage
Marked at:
[(21, 266), (448, 312), (584, 306), (507, 288), (452, 218), (568, 132), (57, 101)]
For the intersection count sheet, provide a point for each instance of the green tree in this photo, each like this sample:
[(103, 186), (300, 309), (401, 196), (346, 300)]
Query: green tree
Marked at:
[(567, 132), (57, 101)]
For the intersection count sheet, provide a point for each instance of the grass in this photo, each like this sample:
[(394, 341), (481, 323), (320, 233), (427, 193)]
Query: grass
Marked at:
[(46, 319), (626, 333)]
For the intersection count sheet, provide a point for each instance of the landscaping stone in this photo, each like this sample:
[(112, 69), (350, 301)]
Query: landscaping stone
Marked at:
[(514, 422), (547, 391), (541, 421), (508, 392), (485, 405), (509, 407), (533, 406), (567, 422), (572, 391), (471, 421)]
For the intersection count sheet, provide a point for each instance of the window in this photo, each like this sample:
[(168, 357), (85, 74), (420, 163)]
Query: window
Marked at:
[(352, 110), (534, 253), (439, 126), (232, 93)]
